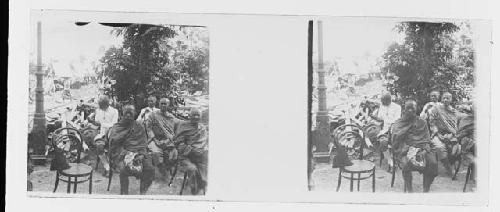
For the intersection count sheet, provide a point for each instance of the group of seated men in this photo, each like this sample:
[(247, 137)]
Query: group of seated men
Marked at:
[(154, 138), (418, 141)]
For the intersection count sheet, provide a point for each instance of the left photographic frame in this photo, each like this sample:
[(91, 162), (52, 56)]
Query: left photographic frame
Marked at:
[(117, 108)]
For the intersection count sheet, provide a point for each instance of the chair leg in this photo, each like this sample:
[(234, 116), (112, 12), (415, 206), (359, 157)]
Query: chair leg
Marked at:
[(97, 162), (69, 185), (173, 175), (90, 182), (393, 175), (352, 182), (373, 180), (339, 179), (57, 182), (381, 158), (183, 182), (76, 184), (359, 179), (457, 168), (110, 177), (467, 176)]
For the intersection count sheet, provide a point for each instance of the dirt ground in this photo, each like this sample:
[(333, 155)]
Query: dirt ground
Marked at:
[(325, 178), (43, 181)]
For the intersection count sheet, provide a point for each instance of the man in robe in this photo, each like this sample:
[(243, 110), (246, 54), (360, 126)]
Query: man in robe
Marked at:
[(443, 121), (128, 148), (410, 141), (161, 130), (191, 140)]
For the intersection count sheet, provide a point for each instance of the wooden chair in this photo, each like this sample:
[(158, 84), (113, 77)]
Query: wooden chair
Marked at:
[(173, 173), (359, 166), (77, 169), (468, 176)]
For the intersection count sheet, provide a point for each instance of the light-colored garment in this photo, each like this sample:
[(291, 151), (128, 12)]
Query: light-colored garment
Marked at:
[(145, 112), (389, 114), (107, 118), (427, 109)]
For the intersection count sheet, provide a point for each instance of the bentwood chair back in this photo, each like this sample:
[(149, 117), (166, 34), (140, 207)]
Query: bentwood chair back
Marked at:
[(76, 168)]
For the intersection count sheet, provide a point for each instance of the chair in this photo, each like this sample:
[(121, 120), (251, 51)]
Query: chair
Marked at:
[(107, 153), (359, 166), (470, 170), (173, 173), (76, 169)]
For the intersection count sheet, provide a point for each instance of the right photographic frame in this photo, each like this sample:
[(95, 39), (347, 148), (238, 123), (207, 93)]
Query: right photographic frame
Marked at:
[(394, 105)]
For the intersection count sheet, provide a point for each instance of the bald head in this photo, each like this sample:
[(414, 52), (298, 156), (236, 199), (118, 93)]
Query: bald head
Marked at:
[(410, 109), (164, 104), (195, 115), (446, 98), (128, 113), (386, 99), (151, 101), (103, 102)]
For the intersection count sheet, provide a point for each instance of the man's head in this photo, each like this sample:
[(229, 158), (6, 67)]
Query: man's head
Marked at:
[(151, 101), (128, 113), (386, 99), (434, 96), (103, 102), (410, 109), (446, 98), (164, 104), (195, 116)]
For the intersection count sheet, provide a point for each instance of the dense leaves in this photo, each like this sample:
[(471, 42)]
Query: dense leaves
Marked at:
[(155, 60), (431, 57)]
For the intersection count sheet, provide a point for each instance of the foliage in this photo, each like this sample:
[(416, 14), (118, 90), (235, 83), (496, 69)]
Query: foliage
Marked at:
[(431, 57), (152, 61)]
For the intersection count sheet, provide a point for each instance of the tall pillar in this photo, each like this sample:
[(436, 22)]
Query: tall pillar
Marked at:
[(38, 138), (322, 125), (39, 119)]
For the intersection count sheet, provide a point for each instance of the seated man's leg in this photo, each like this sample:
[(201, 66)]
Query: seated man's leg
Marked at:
[(439, 147), (148, 173), (430, 171), (191, 170), (201, 162), (156, 153), (100, 144), (407, 175), (123, 178)]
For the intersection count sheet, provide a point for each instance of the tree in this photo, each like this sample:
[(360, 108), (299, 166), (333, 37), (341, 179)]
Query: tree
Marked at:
[(153, 60), (431, 57)]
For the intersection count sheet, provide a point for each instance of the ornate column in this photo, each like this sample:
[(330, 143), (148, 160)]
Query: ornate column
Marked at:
[(322, 131), (38, 138)]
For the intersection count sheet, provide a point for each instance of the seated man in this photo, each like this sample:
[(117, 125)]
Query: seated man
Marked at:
[(105, 117), (387, 114), (411, 144), (128, 147), (148, 110), (443, 121), (191, 140), (161, 127)]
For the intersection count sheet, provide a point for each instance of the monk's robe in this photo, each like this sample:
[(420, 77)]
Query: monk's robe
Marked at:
[(125, 137), (192, 143), (193, 137), (414, 133), (161, 127), (446, 120)]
